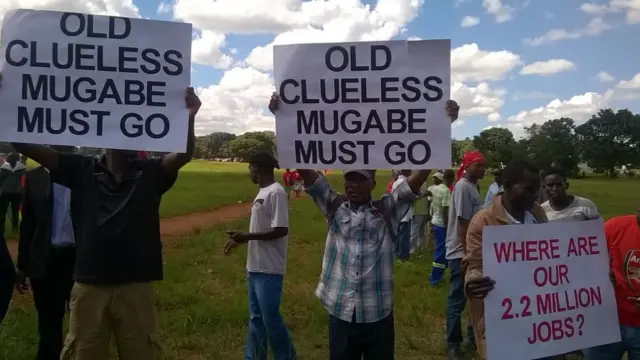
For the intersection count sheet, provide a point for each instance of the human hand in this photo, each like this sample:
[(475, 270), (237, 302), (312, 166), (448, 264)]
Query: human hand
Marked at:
[(230, 245), (480, 287), (192, 101), (21, 282), (274, 103), (453, 109)]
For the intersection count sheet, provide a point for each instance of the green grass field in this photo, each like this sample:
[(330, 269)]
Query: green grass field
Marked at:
[(202, 302)]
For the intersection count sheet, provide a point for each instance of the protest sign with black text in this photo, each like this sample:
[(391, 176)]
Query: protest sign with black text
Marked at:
[(366, 105), (89, 80), (553, 294)]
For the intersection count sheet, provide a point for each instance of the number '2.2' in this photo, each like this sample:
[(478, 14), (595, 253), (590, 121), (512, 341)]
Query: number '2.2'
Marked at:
[(524, 300)]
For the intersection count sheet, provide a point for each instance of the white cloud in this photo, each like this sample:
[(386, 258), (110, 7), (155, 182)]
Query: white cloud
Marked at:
[(549, 67), (579, 107), (414, 38), (469, 21), (164, 8), (500, 11), (237, 103), (494, 117), (595, 8), (595, 27), (480, 100), (470, 63), (206, 50), (604, 76), (630, 7)]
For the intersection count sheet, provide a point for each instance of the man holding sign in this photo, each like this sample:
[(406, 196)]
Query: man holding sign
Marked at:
[(356, 285), (552, 294), (115, 203)]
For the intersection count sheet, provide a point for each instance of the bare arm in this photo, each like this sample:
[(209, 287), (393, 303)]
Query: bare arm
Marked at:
[(463, 228), (173, 162)]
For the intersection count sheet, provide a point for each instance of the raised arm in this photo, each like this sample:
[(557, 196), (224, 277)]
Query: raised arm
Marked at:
[(41, 154), (173, 162)]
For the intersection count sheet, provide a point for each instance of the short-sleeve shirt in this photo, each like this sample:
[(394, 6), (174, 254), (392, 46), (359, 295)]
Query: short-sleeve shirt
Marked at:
[(270, 210), (116, 225), (581, 209), (401, 178), (440, 200), (623, 242), (465, 202)]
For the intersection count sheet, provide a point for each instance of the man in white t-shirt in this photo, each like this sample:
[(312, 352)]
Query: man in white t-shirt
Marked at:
[(403, 247), (266, 262), (564, 207)]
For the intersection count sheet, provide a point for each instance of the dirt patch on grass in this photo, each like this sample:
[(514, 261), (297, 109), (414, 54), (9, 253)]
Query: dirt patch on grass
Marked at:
[(172, 229)]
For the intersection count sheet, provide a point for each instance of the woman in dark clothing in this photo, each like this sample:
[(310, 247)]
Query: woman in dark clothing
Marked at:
[(7, 277)]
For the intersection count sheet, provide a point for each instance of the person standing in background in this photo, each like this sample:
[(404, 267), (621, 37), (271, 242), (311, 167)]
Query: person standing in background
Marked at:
[(420, 219), (403, 246), (562, 206), (440, 200), (11, 173), (465, 203), (494, 187), (297, 183), (46, 255), (266, 262), (287, 182)]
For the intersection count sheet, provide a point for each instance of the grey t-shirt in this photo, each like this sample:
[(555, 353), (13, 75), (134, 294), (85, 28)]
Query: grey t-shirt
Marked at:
[(581, 209), (465, 202), (270, 210)]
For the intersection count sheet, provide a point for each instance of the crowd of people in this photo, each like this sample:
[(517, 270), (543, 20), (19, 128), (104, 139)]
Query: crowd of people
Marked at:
[(90, 240)]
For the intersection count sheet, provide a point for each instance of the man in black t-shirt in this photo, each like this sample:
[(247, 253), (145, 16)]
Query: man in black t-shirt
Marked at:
[(115, 204)]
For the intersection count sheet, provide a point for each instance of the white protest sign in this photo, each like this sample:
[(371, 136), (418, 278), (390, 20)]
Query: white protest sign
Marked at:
[(552, 294), (88, 80), (364, 105)]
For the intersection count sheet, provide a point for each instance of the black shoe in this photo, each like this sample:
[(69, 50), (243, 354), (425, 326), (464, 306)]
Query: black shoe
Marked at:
[(454, 353)]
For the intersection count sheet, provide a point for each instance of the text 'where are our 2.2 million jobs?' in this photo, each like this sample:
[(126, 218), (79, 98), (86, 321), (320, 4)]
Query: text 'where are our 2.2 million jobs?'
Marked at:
[(364, 105), (89, 80)]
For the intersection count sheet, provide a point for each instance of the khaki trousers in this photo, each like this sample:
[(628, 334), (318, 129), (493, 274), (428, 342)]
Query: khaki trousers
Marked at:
[(97, 311)]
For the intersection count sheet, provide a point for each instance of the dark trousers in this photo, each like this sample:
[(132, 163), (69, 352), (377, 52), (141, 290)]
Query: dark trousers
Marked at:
[(51, 295), (12, 200), (7, 278), (455, 306), (361, 341)]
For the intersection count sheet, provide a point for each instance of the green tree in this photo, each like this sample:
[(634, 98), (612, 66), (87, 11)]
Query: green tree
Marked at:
[(247, 144), (496, 144), (610, 139), (215, 144), (554, 143)]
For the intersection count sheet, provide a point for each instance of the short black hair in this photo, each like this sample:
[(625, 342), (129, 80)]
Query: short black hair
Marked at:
[(264, 160), (554, 171), (515, 170), (449, 173)]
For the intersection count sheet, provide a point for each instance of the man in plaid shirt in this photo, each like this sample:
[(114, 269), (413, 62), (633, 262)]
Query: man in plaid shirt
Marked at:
[(356, 284)]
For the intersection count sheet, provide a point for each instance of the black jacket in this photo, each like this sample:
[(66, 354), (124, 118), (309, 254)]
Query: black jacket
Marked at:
[(35, 229)]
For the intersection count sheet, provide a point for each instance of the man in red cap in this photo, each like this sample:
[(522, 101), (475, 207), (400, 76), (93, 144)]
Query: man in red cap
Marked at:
[(465, 202)]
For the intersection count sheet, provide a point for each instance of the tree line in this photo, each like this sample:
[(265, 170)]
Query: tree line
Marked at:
[(608, 141)]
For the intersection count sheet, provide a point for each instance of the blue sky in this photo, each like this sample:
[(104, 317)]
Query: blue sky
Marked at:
[(574, 40)]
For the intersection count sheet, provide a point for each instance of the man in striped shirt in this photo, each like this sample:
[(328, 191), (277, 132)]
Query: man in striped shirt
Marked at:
[(356, 284)]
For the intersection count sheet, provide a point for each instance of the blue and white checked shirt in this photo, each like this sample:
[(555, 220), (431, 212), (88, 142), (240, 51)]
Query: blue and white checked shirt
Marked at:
[(357, 267)]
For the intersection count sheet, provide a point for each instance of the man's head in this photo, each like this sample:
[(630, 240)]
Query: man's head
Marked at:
[(449, 177), (473, 166), (438, 178), (287, 170), (405, 173), (521, 184), (262, 164), (13, 158), (555, 183), (359, 184), (497, 176)]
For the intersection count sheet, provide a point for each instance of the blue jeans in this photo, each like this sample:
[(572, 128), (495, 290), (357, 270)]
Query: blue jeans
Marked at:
[(630, 344), (266, 326), (455, 306), (439, 256), (403, 244)]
